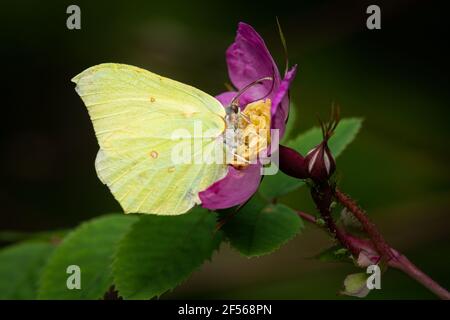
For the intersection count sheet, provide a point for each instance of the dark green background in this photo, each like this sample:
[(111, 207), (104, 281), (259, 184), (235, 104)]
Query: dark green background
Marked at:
[(396, 78)]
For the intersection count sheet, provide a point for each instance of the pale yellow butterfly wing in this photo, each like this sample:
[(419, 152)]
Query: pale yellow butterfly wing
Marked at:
[(135, 113)]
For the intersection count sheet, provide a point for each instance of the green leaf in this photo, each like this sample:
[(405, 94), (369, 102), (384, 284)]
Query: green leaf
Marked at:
[(344, 134), (277, 185), (281, 184), (91, 246), (20, 269), (161, 251), (259, 229), (336, 253)]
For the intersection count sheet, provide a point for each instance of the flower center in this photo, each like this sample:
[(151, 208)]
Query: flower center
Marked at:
[(250, 130)]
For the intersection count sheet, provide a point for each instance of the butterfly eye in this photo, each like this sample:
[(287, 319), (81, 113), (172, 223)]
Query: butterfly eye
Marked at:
[(235, 107)]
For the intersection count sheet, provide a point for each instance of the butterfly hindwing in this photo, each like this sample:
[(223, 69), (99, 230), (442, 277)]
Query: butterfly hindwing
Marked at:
[(135, 113)]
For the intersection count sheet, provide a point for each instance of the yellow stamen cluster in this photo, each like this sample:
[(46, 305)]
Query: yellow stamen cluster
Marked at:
[(253, 134)]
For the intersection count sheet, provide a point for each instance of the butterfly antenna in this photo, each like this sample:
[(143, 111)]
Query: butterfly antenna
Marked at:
[(271, 87), (252, 84)]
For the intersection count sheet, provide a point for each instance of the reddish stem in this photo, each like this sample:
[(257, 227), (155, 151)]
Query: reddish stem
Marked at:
[(306, 216), (395, 259), (323, 196), (368, 226), (356, 245), (402, 263)]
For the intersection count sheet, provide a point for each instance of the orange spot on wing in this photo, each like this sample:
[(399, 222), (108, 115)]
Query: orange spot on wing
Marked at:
[(154, 154)]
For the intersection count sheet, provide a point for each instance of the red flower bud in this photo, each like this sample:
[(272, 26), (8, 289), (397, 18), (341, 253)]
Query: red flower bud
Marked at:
[(320, 163), (293, 163)]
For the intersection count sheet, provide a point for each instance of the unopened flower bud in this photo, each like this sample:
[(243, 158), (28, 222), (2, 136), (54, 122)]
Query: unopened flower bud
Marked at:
[(320, 163), (293, 163)]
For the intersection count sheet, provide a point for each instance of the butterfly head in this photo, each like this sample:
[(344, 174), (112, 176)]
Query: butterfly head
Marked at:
[(248, 132)]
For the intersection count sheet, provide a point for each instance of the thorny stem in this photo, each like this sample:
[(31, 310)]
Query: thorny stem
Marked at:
[(323, 196), (377, 243), (368, 226), (323, 193)]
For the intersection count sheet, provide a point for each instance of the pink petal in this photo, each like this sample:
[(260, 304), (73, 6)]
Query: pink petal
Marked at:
[(248, 60), (236, 188), (226, 97), (280, 102)]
